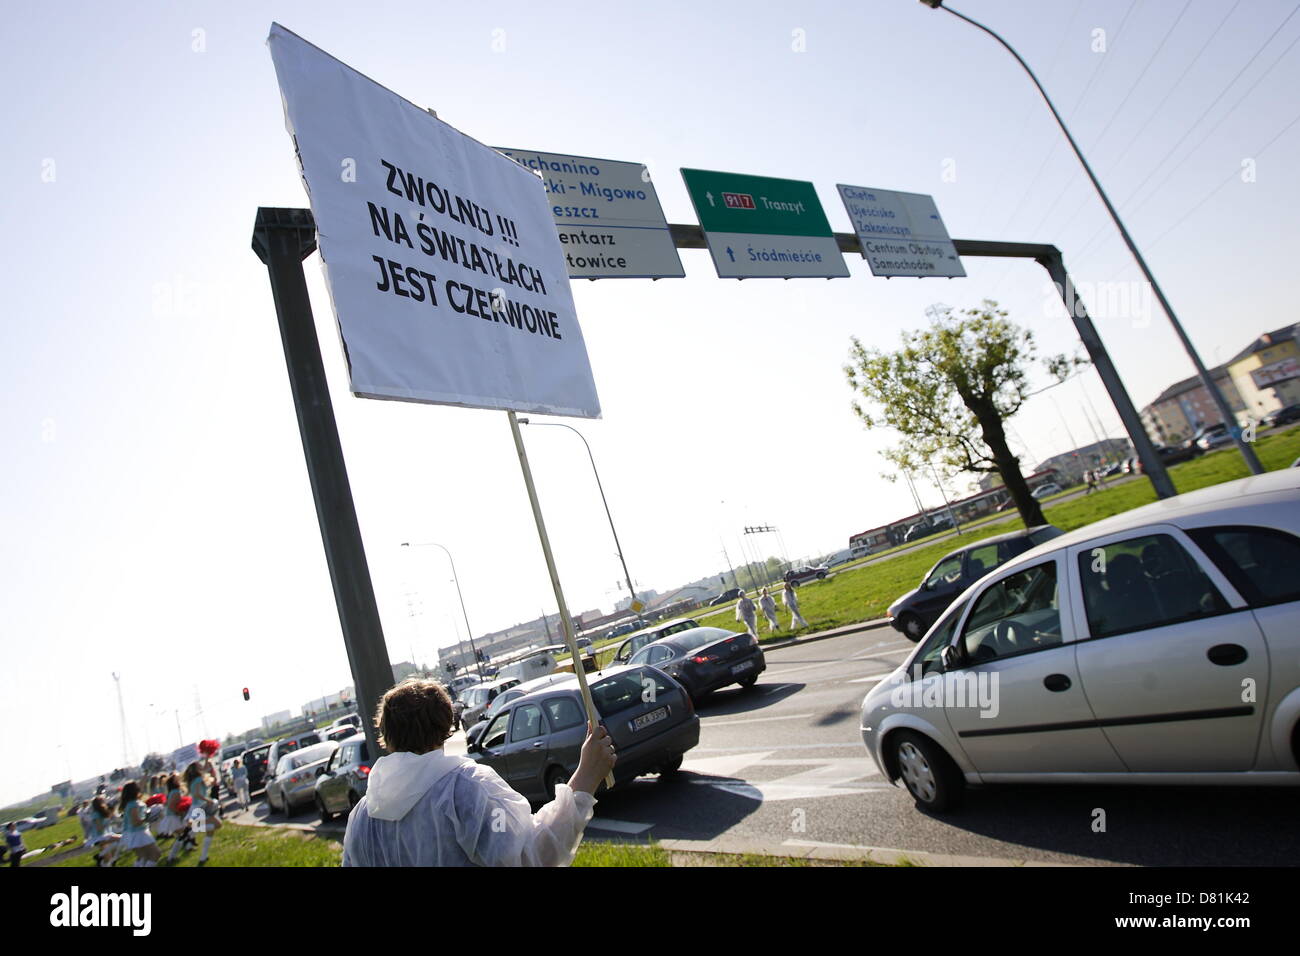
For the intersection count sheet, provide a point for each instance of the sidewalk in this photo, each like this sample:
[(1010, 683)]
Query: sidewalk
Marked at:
[(767, 644), (690, 850)]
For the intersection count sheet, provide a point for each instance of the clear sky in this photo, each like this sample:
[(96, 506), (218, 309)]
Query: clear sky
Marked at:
[(157, 519)]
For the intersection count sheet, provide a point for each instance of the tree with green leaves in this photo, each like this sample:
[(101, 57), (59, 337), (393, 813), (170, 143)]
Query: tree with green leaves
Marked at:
[(949, 391)]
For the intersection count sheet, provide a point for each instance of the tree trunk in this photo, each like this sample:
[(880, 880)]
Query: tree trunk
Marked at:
[(1008, 465)]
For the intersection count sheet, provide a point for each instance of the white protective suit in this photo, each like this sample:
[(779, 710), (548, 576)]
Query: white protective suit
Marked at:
[(745, 613), (792, 604), (769, 611), (437, 810)]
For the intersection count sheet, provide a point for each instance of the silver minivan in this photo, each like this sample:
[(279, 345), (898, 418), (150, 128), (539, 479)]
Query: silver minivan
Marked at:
[(1161, 645), (294, 783), (478, 698)]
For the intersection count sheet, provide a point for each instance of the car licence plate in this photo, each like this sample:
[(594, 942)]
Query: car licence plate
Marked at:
[(645, 720), (741, 668)]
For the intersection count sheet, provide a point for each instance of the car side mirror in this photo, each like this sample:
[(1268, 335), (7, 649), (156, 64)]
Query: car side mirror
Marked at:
[(952, 657)]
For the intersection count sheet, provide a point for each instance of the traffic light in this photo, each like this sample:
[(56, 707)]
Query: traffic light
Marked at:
[(245, 693)]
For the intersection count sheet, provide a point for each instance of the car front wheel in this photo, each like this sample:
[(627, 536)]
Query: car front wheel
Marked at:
[(325, 815), (912, 629), (929, 774), (554, 777)]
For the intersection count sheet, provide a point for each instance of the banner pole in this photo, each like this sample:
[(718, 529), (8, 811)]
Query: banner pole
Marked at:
[(566, 622)]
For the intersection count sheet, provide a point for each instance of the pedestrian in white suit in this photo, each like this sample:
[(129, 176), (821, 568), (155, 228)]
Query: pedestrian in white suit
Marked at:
[(792, 605), (768, 605), (745, 612)]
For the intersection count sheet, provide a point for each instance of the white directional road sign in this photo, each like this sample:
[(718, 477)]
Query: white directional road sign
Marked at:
[(901, 233), (607, 215)]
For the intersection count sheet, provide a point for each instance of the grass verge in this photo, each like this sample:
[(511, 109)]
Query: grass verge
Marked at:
[(235, 845)]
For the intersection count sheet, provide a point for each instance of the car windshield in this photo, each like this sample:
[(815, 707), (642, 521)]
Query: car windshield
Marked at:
[(311, 754)]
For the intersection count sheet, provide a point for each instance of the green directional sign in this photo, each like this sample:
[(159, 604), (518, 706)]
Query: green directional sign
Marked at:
[(758, 226)]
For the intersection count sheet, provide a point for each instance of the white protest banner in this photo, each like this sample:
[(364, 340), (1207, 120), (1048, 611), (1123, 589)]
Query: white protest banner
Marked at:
[(184, 756), (441, 256)]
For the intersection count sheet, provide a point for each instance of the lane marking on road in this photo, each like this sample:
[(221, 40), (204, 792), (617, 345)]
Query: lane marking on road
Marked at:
[(882, 655), (871, 679), (785, 672), (774, 747), (709, 722), (727, 766), (827, 777), (617, 826)]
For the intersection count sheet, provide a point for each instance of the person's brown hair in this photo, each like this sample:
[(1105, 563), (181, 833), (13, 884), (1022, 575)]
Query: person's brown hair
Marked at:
[(131, 791), (415, 716)]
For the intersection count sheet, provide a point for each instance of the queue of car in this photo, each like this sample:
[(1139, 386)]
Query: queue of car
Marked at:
[(1115, 653)]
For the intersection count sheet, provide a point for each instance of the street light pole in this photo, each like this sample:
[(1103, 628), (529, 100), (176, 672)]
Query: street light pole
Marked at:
[(627, 577), (433, 544), (1207, 380)]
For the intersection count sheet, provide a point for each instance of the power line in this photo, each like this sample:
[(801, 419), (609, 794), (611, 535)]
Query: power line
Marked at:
[(1177, 84), (1138, 82), (1032, 105), (1146, 122), (1101, 65), (1190, 129), (1230, 177), (1072, 182), (1231, 110)]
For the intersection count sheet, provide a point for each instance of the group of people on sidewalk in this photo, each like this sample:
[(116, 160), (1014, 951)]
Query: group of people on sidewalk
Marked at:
[(746, 610)]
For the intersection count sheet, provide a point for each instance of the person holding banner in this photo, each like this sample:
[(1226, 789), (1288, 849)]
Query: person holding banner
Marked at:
[(745, 612), (424, 807)]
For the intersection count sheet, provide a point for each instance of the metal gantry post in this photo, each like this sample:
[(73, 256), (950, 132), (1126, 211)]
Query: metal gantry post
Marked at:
[(282, 239)]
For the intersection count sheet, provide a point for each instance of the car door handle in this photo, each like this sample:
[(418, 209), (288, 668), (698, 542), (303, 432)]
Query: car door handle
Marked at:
[(1056, 682), (1226, 655), (538, 745)]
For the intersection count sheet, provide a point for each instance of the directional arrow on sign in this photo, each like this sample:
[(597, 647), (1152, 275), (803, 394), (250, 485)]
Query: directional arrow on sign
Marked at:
[(709, 197), (731, 255)]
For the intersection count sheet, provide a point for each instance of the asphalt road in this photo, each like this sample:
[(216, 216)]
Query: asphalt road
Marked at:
[(783, 764)]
